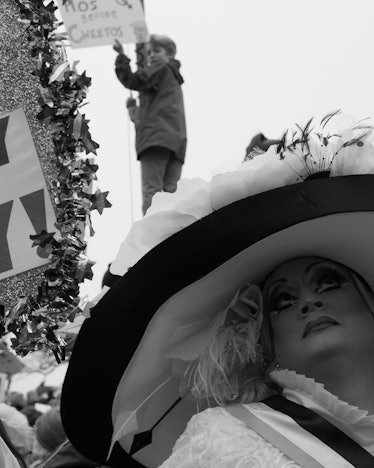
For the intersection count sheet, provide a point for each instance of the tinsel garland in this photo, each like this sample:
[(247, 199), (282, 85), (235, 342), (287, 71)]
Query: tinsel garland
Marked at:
[(35, 319)]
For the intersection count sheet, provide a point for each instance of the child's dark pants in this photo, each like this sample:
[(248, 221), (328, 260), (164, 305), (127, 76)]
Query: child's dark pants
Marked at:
[(160, 172)]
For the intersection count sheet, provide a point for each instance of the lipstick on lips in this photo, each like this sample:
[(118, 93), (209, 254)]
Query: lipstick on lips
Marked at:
[(320, 321)]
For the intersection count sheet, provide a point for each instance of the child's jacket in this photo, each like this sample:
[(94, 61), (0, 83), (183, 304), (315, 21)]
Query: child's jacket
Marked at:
[(161, 119)]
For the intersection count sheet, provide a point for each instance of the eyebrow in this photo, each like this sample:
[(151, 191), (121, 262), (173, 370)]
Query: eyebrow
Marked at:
[(312, 265), (279, 280), (307, 270)]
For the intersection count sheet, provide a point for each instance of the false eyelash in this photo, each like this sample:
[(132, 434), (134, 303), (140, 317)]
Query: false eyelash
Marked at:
[(276, 295), (331, 271)]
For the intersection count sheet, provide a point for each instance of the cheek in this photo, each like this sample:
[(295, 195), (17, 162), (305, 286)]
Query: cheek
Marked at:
[(357, 318), (287, 337), (349, 306)]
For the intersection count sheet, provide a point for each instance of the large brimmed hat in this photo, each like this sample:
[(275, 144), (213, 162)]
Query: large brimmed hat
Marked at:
[(312, 195)]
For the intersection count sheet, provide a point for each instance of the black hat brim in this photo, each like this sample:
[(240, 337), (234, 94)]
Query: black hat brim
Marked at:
[(109, 339)]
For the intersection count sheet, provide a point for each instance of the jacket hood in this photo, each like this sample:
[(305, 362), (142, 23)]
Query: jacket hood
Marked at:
[(175, 65)]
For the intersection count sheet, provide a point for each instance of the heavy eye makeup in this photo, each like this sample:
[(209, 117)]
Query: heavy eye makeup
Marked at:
[(328, 278), (324, 278), (281, 298)]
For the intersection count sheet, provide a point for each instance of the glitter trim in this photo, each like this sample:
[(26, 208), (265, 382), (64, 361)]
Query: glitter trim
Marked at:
[(35, 76)]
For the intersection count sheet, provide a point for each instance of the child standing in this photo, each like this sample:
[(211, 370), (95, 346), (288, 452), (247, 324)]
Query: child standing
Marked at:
[(159, 119)]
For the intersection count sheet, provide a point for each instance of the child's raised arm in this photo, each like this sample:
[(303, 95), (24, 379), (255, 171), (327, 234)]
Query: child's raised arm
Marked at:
[(141, 57), (143, 78), (118, 47)]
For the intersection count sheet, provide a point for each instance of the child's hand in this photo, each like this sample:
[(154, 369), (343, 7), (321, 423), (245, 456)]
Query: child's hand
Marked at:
[(118, 47), (140, 31)]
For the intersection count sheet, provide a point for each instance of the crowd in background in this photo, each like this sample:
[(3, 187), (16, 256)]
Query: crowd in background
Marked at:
[(32, 427)]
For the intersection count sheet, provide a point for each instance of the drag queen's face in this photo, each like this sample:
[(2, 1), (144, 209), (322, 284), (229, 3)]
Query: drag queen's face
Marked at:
[(316, 312)]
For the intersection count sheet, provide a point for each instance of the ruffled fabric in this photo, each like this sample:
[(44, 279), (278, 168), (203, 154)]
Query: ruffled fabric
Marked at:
[(215, 439), (292, 382), (357, 423), (169, 213), (197, 198)]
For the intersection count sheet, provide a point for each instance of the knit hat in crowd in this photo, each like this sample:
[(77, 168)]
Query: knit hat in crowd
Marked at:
[(49, 430)]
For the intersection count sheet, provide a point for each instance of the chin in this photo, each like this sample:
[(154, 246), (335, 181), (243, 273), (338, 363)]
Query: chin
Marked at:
[(327, 344)]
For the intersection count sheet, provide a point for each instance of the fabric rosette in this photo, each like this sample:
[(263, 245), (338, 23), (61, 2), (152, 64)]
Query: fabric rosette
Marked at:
[(233, 336), (335, 145)]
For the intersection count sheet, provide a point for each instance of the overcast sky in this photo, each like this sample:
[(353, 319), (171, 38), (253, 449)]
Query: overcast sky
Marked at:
[(249, 66)]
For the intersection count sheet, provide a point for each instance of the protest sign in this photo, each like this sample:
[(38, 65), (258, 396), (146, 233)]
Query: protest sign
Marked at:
[(25, 206), (91, 23)]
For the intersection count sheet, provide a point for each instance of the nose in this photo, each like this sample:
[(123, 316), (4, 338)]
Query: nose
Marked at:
[(311, 304)]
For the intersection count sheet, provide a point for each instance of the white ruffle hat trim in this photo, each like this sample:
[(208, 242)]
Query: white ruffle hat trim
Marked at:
[(197, 198)]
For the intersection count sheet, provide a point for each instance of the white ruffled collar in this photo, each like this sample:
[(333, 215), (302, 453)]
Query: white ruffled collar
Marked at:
[(296, 387)]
